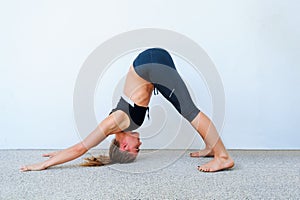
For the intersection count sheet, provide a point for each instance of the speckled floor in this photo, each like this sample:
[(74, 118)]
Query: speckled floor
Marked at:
[(164, 174)]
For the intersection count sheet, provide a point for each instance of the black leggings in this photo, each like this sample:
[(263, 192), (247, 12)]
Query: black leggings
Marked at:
[(156, 66)]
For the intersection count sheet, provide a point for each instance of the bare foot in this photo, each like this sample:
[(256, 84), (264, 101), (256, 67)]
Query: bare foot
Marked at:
[(33, 167), (202, 153), (217, 164)]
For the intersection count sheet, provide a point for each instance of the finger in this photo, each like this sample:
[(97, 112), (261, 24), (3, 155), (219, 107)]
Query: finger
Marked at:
[(49, 154), (23, 169)]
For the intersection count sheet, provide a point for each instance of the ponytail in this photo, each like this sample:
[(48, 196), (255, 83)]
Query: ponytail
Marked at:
[(115, 156), (96, 161)]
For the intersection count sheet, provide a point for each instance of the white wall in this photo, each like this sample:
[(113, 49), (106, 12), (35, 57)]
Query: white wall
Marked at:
[(254, 45)]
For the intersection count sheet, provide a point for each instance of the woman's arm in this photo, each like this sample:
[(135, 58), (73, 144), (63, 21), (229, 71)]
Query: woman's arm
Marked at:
[(70, 153), (61, 157), (113, 123)]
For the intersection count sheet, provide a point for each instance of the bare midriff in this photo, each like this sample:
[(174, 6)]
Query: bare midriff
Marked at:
[(137, 89)]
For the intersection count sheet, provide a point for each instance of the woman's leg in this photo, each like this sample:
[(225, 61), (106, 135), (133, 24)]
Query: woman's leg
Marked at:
[(214, 145), (157, 67), (176, 92)]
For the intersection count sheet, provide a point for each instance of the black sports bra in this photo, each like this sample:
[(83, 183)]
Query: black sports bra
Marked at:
[(135, 113)]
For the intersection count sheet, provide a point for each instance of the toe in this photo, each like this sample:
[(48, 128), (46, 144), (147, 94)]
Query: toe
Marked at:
[(194, 154), (203, 169), (200, 169), (23, 168)]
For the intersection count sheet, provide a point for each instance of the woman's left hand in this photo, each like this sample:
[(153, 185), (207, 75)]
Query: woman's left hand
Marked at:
[(50, 155)]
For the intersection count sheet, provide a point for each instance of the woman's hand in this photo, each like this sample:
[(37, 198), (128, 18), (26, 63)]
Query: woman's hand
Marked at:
[(33, 167), (38, 166)]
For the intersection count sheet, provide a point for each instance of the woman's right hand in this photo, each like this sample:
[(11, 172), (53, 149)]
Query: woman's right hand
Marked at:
[(33, 167)]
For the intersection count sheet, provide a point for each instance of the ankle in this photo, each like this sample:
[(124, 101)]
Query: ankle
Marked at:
[(208, 148), (222, 155)]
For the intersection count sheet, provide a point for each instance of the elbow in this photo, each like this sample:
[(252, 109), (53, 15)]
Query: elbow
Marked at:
[(80, 148)]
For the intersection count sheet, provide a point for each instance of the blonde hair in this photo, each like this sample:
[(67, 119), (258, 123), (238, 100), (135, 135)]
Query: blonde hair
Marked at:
[(115, 156)]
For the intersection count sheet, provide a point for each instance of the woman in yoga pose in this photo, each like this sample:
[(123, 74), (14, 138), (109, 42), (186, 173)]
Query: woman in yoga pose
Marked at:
[(152, 70)]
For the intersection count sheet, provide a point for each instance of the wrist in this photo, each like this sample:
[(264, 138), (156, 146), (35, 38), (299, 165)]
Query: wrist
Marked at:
[(46, 164)]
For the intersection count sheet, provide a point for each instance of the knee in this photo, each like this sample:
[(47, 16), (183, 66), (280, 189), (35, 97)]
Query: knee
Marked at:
[(191, 116)]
